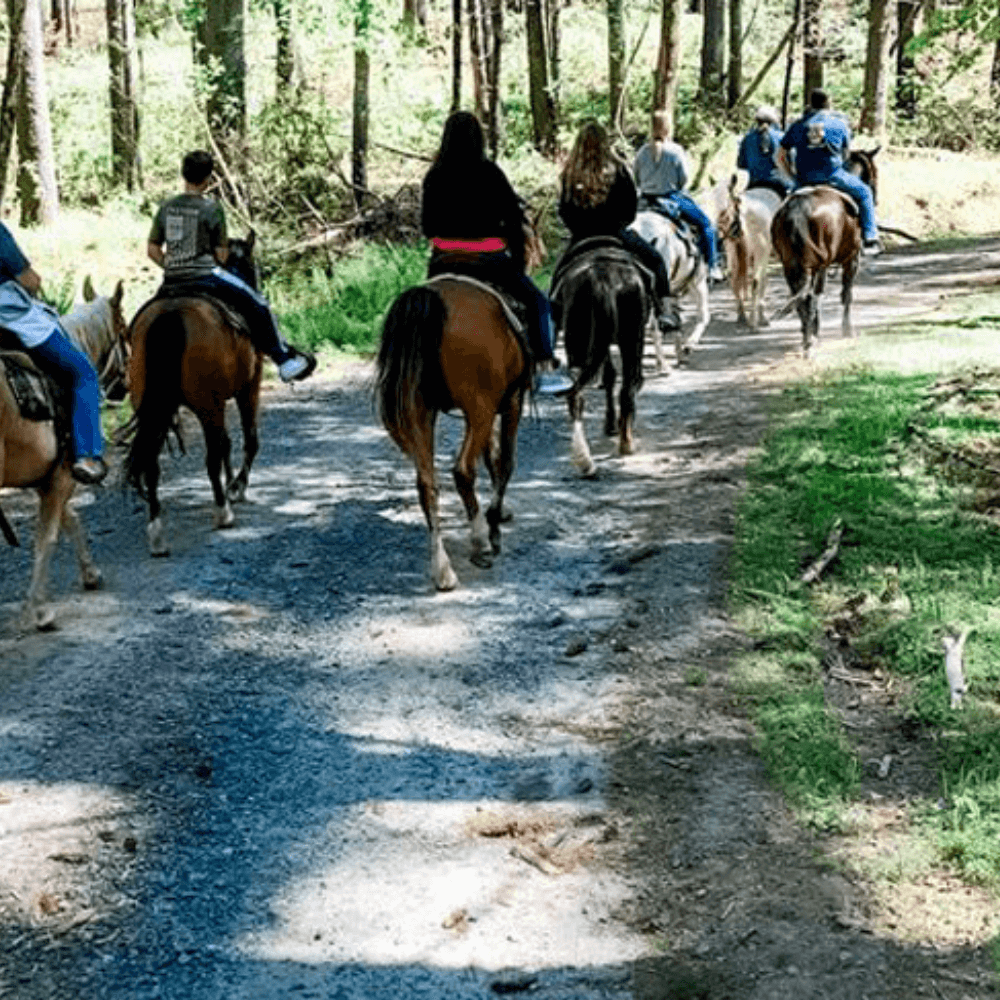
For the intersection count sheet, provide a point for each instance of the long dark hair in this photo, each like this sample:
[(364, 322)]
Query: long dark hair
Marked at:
[(591, 167), (462, 143)]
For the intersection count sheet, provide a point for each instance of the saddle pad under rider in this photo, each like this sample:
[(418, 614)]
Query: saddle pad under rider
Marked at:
[(182, 291), (849, 203), (512, 309), (34, 392), (583, 255)]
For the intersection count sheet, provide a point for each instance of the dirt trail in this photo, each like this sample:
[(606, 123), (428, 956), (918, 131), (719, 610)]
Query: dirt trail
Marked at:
[(276, 764)]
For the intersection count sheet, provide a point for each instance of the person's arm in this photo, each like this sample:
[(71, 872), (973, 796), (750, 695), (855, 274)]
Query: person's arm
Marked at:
[(154, 251), (30, 280), (741, 157), (221, 254), (783, 162)]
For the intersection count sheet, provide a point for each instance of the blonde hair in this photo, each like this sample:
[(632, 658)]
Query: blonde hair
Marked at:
[(662, 125), (591, 167)]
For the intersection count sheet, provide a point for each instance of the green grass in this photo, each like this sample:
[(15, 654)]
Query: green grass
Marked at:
[(839, 448)]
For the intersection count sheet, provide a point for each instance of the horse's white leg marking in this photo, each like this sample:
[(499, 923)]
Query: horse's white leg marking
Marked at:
[(480, 532), (443, 575), (657, 338), (157, 538), (222, 517), (580, 451), (702, 315)]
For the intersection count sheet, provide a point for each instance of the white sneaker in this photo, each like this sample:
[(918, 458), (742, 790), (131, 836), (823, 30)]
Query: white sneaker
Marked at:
[(872, 248), (551, 383), (715, 274), (293, 367)]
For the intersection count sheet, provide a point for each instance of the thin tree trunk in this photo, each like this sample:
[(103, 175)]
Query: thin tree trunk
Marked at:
[(713, 41), (994, 69), (616, 61), (477, 47), (36, 174), (220, 51), (361, 104), (734, 81), (286, 56), (493, 76), (456, 54), (873, 108), (812, 47), (553, 46), (11, 86), (790, 62), (906, 92), (668, 59), (124, 111), (542, 111)]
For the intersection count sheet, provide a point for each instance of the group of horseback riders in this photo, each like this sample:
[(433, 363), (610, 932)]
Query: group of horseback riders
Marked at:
[(475, 223)]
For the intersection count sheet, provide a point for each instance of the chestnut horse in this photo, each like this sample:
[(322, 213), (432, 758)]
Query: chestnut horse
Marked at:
[(603, 301), (450, 344), (192, 351), (814, 229), (33, 455)]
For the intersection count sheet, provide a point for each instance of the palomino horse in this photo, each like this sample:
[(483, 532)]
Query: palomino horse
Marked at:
[(816, 228), (449, 344), (33, 454), (603, 300), (744, 226), (192, 351), (688, 276)]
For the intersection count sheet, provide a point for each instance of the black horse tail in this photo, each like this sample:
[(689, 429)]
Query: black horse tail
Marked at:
[(408, 375), (165, 341)]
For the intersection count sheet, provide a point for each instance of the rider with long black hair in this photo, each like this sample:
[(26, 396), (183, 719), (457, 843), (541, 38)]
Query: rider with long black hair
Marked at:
[(475, 223)]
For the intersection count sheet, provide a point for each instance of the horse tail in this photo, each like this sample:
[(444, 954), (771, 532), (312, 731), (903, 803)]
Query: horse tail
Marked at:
[(160, 377), (408, 368)]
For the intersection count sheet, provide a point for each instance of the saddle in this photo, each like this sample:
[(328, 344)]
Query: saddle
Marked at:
[(849, 203), (190, 290), (581, 255), (40, 395)]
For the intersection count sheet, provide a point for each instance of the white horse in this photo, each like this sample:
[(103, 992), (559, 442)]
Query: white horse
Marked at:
[(744, 225), (688, 276)]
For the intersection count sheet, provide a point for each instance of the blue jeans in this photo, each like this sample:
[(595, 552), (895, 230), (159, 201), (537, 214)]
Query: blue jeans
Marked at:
[(691, 212), (57, 352), (859, 191)]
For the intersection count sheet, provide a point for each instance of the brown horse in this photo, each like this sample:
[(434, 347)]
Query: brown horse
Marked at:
[(33, 455), (449, 344), (191, 351), (814, 229)]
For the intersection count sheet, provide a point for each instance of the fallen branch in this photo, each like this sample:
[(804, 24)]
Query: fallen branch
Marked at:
[(953, 647), (813, 573), (896, 231)]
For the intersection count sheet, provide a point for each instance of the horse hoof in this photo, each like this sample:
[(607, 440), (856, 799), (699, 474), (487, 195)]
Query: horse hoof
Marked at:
[(92, 579), (506, 516), (223, 518), (237, 493), (157, 544), (45, 620), (447, 581)]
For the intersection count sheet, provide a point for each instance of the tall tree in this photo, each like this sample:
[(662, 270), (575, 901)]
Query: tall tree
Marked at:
[(479, 45), (812, 46), (713, 52), (493, 76), (734, 77), (906, 91), (220, 52), (286, 54), (873, 106), (616, 61), (361, 103), (414, 13), (553, 39), (542, 107), (36, 174), (124, 106), (790, 60), (11, 84), (456, 54), (668, 58), (995, 67)]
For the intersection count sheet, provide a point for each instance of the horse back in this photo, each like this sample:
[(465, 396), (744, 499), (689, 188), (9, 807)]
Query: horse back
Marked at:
[(814, 229)]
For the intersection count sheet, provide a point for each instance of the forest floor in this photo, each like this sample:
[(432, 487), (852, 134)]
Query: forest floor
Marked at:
[(277, 764)]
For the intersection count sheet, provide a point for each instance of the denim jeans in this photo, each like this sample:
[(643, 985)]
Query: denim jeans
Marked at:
[(691, 212), (57, 352)]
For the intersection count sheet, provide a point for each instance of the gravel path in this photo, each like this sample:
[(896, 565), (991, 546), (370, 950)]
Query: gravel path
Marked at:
[(277, 764)]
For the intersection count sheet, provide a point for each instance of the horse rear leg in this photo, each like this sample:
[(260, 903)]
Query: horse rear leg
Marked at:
[(631, 355), (52, 503), (420, 447), (90, 575), (247, 400), (608, 379), (702, 317), (849, 272), (503, 468), (478, 434), (217, 447)]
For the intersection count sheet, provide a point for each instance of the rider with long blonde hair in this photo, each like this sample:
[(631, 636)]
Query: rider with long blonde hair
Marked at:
[(598, 198)]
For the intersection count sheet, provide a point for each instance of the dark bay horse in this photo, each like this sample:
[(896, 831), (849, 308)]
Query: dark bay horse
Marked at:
[(449, 344), (33, 455), (603, 301), (192, 351), (814, 229)]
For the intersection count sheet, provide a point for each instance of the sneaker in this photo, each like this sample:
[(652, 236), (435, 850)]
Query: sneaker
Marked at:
[(89, 470), (299, 366), (871, 248), (551, 383), (715, 274)]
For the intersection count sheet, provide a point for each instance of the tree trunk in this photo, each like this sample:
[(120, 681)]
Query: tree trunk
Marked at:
[(734, 81), (812, 47), (220, 53), (790, 62), (995, 70), (456, 54), (36, 174), (360, 105), (286, 55), (414, 13), (553, 39), (542, 111), (873, 106), (616, 62), (124, 109), (668, 58), (713, 50), (493, 77), (478, 47), (11, 86), (906, 92)]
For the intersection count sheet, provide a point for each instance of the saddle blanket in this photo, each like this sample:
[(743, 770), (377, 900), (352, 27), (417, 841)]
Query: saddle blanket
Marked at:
[(583, 255), (514, 311), (32, 390), (179, 290)]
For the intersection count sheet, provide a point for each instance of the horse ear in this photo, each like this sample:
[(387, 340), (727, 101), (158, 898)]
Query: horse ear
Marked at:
[(251, 239), (88, 290), (116, 299), (873, 152)]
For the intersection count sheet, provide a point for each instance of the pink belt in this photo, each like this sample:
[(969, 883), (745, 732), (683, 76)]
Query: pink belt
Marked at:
[(489, 245)]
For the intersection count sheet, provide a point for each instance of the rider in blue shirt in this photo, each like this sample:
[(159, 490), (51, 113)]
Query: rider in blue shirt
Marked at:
[(37, 327), (821, 140), (758, 150)]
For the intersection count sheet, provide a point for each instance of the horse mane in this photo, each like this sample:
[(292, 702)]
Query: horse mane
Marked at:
[(91, 327)]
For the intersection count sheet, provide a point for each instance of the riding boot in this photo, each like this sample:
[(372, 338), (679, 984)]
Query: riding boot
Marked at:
[(668, 317)]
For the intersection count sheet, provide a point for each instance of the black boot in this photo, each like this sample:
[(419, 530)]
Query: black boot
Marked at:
[(667, 315)]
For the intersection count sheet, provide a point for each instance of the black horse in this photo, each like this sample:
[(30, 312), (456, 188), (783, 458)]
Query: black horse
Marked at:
[(815, 228), (602, 298)]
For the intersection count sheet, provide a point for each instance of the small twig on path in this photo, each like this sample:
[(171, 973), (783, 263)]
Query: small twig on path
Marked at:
[(813, 573)]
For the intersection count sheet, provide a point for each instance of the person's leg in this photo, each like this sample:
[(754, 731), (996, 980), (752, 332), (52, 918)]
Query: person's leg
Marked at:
[(862, 194), (666, 309), (693, 213), (59, 353)]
